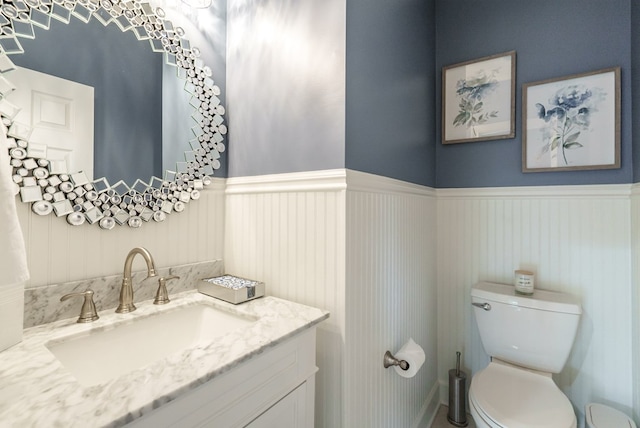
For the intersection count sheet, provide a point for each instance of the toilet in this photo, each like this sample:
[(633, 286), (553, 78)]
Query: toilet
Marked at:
[(528, 339)]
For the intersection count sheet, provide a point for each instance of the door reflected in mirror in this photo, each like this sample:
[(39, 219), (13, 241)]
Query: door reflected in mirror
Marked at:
[(127, 77), (60, 114)]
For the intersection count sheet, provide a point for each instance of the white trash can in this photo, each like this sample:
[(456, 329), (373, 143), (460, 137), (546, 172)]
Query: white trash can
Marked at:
[(601, 416)]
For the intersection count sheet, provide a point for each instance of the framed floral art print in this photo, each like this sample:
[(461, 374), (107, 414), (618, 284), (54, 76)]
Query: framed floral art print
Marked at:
[(572, 123), (478, 99)]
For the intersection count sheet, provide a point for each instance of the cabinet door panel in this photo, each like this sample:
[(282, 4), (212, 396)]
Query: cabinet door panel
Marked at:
[(237, 397), (289, 412)]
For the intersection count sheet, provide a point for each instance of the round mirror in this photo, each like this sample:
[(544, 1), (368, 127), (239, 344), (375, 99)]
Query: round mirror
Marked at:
[(46, 173)]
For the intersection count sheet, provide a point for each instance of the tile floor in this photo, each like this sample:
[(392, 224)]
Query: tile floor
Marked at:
[(442, 422)]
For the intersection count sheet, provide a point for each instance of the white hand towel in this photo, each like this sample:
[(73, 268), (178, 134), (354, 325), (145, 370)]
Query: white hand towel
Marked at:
[(13, 257)]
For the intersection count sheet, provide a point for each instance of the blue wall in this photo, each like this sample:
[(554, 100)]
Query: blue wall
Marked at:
[(285, 86), (395, 52), (293, 109), (635, 83), (552, 39), (127, 79), (390, 98)]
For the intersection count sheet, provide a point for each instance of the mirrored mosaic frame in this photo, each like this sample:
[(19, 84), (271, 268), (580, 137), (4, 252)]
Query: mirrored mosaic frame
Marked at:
[(46, 184)]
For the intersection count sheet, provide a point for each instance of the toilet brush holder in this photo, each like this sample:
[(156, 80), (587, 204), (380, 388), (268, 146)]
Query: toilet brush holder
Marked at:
[(457, 414)]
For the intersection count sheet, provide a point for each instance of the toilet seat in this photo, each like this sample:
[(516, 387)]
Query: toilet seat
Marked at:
[(506, 396)]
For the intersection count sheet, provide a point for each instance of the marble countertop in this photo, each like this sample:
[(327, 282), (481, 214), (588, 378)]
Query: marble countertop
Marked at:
[(36, 390)]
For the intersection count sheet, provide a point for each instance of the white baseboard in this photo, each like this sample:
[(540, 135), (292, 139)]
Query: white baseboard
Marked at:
[(429, 409)]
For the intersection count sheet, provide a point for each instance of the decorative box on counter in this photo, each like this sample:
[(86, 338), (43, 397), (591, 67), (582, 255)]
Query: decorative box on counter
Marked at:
[(231, 288)]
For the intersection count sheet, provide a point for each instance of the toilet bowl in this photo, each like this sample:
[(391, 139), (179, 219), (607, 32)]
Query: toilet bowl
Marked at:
[(528, 339), (506, 396)]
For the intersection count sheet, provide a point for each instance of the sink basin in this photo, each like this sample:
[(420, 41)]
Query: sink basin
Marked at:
[(99, 356)]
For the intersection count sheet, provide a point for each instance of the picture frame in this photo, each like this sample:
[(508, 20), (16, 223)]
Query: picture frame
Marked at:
[(572, 123), (478, 99)]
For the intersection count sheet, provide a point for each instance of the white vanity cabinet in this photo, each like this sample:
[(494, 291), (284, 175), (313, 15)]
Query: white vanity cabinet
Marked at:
[(272, 389)]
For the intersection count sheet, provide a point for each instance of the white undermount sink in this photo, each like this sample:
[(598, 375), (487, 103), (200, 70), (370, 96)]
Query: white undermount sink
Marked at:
[(99, 356)]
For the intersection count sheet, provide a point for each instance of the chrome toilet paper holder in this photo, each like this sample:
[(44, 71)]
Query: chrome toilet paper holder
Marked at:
[(389, 360)]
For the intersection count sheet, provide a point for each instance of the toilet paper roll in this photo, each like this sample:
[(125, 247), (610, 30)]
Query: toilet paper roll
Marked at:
[(412, 353)]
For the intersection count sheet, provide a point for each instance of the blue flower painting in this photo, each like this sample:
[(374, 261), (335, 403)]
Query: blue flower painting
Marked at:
[(567, 117), (471, 94), (478, 99)]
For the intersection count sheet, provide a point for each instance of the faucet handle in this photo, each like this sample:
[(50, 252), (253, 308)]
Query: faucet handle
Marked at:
[(162, 297), (88, 312)]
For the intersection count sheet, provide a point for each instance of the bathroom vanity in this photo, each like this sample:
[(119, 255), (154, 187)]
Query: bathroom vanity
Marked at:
[(167, 365)]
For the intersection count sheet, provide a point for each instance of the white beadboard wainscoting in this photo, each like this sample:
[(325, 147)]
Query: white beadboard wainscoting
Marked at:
[(390, 297), (577, 239), (57, 252), (635, 225), (288, 230), (362, 247)]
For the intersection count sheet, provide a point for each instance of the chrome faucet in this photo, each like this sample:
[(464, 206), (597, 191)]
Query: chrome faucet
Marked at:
[(126, 292)]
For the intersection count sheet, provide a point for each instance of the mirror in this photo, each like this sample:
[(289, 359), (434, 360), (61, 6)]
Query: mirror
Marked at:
[(43, 178)]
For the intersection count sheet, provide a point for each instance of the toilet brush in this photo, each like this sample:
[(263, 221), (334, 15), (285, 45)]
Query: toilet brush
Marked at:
[(457, 414)]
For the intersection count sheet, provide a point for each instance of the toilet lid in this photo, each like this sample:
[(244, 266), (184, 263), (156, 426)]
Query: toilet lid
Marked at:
[(517, 398)]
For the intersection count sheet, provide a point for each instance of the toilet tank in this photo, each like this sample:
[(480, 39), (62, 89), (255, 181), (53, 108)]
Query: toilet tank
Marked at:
[(535, 332)]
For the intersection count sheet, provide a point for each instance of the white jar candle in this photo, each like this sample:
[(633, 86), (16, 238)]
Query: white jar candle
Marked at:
[(524, 282)]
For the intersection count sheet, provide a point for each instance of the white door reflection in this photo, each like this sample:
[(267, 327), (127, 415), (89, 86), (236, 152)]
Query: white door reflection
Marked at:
[(60, 113)]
